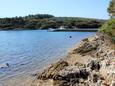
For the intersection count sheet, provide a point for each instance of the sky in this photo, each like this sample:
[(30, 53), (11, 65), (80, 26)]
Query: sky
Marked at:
[(59, 8)]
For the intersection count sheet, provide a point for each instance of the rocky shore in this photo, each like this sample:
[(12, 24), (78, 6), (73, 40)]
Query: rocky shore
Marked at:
[(91, 63)]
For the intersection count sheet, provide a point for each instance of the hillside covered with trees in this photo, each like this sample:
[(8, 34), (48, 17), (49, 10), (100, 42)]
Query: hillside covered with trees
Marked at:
[(45, 21)]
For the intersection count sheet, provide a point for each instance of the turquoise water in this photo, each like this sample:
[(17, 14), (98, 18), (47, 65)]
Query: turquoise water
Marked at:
[(29, 50)]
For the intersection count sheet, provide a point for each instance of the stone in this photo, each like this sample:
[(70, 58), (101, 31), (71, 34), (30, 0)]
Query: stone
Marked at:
[(53, 70), (113, 83), (94, 65), (75, 74)]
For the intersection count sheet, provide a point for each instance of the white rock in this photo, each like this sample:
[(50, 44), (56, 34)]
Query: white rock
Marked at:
[(113, 83)]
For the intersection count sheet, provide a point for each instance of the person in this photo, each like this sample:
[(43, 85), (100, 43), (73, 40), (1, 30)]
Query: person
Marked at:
[(70, 36), (7, 64)]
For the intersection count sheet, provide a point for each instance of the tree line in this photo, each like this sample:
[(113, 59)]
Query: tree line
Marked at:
[(45, 21)]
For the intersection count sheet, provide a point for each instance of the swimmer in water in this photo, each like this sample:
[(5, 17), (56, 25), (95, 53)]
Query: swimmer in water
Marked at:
[(70, 36)]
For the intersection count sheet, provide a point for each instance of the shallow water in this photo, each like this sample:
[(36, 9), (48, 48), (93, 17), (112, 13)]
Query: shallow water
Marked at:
[(30, 50)]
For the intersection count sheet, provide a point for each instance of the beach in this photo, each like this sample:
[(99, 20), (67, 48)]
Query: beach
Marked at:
[(86, 63), (91, 63)]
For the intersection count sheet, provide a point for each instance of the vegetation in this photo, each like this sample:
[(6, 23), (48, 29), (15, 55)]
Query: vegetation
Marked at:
[(109, 26), (45, 21), (109, 29), (111, 8)]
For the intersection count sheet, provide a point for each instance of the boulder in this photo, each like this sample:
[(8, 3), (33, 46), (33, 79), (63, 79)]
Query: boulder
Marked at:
[(86, 47), (52, 72), (74, 74), (94, 65)]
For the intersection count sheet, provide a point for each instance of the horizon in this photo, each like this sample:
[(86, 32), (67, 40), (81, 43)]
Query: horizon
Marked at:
[(85, 9)]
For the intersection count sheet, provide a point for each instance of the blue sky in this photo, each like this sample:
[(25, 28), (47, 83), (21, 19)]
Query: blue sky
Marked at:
[(76, 8)]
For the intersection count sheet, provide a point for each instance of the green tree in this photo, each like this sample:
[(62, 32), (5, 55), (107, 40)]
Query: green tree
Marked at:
[(111, 8)]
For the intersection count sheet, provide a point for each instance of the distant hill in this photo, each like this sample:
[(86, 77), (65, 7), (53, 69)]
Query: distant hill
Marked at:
[(45, 21)]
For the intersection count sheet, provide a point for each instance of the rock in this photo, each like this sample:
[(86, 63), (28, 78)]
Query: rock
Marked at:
[(94, 65), (100, 71), (86, 47), (52, 72), (75, 74), (79, 64), (113, 83), (95, 78), (85, 40)]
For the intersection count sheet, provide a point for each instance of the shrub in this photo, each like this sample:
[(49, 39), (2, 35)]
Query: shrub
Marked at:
[(113, 39), (108, 28)]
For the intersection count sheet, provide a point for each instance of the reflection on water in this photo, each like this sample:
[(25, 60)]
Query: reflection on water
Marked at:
[(30, 50)]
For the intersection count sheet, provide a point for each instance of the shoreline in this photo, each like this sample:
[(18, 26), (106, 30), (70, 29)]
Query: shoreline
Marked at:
[(77, 61), (84, 66), (64, 55), (28, 77), (32, 75)]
